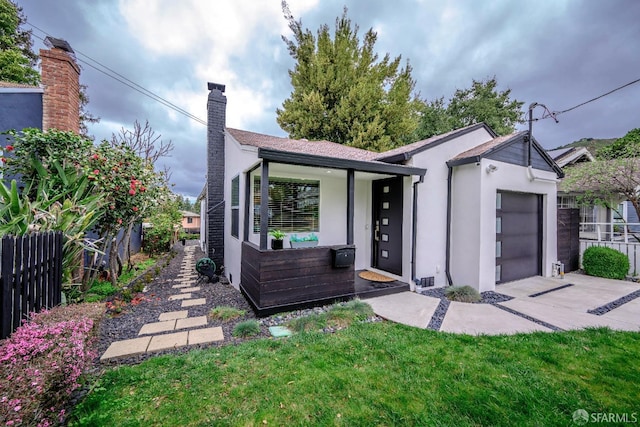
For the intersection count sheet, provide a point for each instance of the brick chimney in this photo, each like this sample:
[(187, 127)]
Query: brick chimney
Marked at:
[(216, 122), (61, 81)]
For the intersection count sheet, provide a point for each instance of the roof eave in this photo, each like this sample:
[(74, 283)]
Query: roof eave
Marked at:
[(409, 154), (301, 159)]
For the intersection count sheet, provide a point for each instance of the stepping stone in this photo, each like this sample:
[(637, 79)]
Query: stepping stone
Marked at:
[(157, 327), (173, 315), (191, 322), (126, 348), (280, 331), (184, 285), (193, 289), (168, 341), (181, 296), (192, 302), (206, 335)]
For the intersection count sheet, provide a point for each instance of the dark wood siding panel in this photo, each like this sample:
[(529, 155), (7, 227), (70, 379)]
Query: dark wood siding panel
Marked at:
[(292, 276), (516, 154), (569, 238)]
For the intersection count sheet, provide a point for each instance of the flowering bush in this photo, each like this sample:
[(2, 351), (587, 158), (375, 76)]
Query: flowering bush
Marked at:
[(42, 361)]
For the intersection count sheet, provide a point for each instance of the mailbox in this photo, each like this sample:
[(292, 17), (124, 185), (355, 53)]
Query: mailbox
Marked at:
[(343, 257)]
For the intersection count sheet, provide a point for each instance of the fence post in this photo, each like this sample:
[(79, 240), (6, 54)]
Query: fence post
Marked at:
[(7, 286)]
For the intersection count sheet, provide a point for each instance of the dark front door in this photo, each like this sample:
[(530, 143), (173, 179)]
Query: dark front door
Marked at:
[(518, 236), (387, 225)]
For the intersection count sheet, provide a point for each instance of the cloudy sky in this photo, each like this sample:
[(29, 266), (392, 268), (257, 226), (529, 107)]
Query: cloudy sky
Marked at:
[(556, 52)]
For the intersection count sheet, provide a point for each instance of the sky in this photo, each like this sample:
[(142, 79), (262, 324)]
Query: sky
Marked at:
[(559, 53)]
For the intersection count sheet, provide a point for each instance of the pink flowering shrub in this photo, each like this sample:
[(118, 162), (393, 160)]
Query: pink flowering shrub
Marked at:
[(41, 363)]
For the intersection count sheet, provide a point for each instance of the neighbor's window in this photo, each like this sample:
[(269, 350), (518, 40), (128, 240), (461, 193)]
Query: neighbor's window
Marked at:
[(235, 206), (189, 220), (293, 204)]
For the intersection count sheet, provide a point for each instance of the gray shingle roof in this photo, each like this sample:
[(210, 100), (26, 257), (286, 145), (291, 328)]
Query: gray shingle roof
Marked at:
[(487, 146), (314, 148)]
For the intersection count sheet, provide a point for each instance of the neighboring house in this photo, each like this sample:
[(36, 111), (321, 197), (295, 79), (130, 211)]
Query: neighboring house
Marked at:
[(53, 105), (190, 222), (570, 156), (462, 208), (598, 222)]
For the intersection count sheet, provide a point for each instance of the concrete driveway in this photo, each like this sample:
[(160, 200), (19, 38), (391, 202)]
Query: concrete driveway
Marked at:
[(539, 304)]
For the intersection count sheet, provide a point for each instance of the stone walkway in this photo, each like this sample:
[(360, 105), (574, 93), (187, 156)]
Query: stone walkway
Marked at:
[(174, 328)]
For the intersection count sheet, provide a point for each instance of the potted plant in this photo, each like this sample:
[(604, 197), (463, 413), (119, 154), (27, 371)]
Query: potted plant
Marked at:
[(278, 239), (303, 242)]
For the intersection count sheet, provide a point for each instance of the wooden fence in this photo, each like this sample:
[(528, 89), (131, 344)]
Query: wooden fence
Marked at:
[(30, 275)]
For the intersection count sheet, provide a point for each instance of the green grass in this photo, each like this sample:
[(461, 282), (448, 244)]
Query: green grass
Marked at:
[(100, 290), (128, 276), (338, 315), (377, 374), (226, 313), (247, 328)]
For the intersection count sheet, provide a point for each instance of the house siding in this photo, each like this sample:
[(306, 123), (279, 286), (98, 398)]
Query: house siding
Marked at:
[(482, 239), (431, 238), (517, 154), (20, 110)]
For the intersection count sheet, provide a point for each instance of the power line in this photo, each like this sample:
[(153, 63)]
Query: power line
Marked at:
[(127, 82), (556, 113)]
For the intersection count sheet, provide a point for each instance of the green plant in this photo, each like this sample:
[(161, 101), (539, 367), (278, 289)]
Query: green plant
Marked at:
[(246, 329), (277, 234), (312, 322), (338, 315), (605, 262), (103, 288), (137, 287), (462, 294), (126, 295), (226, 313)]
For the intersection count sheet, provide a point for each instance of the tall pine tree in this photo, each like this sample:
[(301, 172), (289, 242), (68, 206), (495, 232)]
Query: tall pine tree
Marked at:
[(342, 91)]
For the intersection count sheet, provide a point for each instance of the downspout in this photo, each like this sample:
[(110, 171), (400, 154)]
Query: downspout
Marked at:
[(415, 228), (447, 267)]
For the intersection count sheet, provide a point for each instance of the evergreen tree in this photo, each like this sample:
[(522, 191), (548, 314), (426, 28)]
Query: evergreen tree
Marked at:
[(342, 91), (17, 59)]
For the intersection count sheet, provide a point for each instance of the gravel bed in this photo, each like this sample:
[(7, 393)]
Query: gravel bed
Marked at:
[(438, 316), (604, 309), (127, 324)]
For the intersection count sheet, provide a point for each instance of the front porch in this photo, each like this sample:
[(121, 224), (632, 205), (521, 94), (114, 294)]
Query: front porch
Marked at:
[(288, 279)]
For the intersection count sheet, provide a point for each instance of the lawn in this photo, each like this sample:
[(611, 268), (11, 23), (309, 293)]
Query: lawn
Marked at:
[(377, 374)]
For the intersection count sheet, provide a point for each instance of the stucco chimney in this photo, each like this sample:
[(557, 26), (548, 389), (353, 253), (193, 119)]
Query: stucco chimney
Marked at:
[(216, 118), (61, 81)]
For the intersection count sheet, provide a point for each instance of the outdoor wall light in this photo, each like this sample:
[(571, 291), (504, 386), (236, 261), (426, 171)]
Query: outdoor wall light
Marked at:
[(491, 168)]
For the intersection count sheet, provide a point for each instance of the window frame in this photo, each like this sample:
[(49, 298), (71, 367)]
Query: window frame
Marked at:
[(235, 206), (310, 200)]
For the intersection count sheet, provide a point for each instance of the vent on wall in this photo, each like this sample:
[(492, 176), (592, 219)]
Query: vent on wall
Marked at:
[(427, 281)]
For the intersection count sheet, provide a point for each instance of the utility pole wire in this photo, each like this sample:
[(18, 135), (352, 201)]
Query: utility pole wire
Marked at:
[(127, 82), (594, 99)]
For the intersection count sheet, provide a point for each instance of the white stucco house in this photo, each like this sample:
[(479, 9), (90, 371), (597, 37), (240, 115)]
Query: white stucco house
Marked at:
[(463, 208)]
